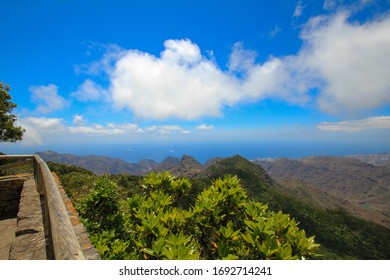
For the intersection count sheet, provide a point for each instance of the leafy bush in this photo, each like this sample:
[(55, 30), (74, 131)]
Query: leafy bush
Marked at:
[(99, 209), (221, 224)]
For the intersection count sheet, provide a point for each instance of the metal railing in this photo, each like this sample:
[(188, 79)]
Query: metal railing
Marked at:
[(63, 242)]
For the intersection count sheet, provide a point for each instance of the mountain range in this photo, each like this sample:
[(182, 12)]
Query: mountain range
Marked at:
[(185, 166), (349, 220), (360, 187), (359, 184)]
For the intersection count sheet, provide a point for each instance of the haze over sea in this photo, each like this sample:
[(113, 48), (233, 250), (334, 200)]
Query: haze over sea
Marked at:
[(204, 151)]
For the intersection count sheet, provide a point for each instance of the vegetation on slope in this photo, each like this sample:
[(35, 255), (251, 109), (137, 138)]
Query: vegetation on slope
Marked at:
[(222, 224), (361, 188), (341, 236)]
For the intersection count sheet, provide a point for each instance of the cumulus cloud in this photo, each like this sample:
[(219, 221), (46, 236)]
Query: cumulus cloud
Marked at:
[(371, 123), (37, 128), (180, 83), (78, 119), (89, 91), (182, 52), (352, 60), (347, 64), (342, 67), (47, 98), (241, 59)]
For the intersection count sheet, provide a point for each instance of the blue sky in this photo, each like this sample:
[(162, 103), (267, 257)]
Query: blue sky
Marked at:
[(126, 73)]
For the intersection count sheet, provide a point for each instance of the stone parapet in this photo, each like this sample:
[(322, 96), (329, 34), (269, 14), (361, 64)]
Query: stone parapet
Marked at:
[(30, 241), (47, 224)]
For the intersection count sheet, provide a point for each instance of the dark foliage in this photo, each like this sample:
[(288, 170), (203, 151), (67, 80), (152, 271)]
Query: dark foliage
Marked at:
[(8, 131), (341, 235)]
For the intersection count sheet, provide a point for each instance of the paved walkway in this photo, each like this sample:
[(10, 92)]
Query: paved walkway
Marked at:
[(7, 233), (22, 237), (25, 240)]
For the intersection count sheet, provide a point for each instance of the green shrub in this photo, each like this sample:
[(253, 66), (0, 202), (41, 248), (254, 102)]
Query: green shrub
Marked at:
[(99, 210), (222, 223)]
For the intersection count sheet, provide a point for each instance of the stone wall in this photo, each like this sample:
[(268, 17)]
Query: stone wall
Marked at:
[(19, 198), (30, 240), (10, 190)]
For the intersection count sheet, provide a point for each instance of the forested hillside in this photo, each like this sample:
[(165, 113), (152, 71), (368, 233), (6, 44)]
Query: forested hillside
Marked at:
[(340, 235)]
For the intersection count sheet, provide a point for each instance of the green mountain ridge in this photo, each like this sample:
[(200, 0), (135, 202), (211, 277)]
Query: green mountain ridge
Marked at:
[(252, 176), (341, 235)]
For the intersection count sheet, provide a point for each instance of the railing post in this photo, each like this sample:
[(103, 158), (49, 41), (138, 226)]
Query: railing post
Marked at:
[(64, 240), (37, 177), (40, 186)]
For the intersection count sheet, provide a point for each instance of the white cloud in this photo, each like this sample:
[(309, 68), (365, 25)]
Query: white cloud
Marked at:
[(204, 127), (352, 61), (78, 119), (47, 98), (40, 130), (104, 130), (298, 9), (112, 53), (37, 128), (182, 52), (42, 123), (331, 5), (342, 67), (371, 123), (184, 84), (166, 129), (181, 83), (89, 91), (347, 64), (241, 59)]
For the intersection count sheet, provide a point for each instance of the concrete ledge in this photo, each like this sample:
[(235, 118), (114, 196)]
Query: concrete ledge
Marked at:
[(30, 242)]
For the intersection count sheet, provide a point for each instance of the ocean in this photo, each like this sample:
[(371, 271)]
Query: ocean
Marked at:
[(203, 151)]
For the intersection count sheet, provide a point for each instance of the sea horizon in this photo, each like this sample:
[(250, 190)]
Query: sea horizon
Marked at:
[(202, 152)]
